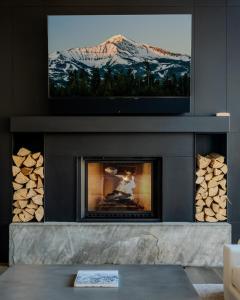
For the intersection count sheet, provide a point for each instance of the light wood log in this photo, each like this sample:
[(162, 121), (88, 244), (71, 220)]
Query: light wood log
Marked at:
[(217, 172), (220, 217), (223, 212), (221, 192), (36, 155), (209, 212), (23, 152), (39, 213), (212, 183), (201, 172), (17, 211), (16, 204), (33, 177), (199, 216), (224, 198), (209, 201), (213, 191), (199, 180), (16, 219), (29, 162), (40, 191), (217, 157), (31, 184), (26, 171), (198, 197), (205, 195), (209, 176), (16, 186), (202, 161), (39, 182), (39, 161), (32, 205), (224, 169), (31, 211), (31, 193), (28, 217), (39, 171), (201, 190), (217, 199), (210, 219), (218, 177), (209, 170), (223, 204), (215, 207), (38, 199), (20, 178), (18, 160), (199, 209), (204, 184), (215, 164), (223, 183), (20, 194), (21, 217), (200, 203), (15, 170), (23, 203)]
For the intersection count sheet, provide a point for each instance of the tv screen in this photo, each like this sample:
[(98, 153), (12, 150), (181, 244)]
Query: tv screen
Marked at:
[(119, 57)]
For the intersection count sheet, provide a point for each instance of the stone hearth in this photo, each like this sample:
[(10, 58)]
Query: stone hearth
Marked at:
[(191, 244)]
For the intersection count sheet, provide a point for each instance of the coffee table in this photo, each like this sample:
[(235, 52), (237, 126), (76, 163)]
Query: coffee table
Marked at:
[(137, 282)]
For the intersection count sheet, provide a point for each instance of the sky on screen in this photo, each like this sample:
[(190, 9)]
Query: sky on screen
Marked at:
[(170, 32)]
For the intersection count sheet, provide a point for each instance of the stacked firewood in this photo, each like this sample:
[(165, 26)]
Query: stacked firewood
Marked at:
[(28, 177), (211, 198)]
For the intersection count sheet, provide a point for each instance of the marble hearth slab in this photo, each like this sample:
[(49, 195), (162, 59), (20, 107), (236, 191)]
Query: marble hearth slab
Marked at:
[(188, 244)]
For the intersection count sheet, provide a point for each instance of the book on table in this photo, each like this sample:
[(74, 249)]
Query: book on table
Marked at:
[(96, 278)]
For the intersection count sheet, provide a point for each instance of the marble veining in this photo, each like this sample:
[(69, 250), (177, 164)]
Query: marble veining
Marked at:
[(190, 244)]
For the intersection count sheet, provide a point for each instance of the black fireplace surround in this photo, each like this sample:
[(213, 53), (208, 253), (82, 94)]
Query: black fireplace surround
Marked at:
[(170, 144)]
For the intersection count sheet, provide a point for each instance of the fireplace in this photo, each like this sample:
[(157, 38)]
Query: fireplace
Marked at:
[(121, 188)]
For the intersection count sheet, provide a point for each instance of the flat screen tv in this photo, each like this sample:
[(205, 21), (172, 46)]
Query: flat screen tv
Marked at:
[(120, 64)]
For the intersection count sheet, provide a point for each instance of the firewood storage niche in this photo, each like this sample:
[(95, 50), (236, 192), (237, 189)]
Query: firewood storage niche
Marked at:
[(120, 188)]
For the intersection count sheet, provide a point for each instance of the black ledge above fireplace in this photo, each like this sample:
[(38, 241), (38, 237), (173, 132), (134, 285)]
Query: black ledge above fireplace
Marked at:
[(87, 124)]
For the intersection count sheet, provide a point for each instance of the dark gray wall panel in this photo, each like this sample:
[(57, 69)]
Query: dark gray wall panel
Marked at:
[(178, 190), (29, 61), (210, 2), (5, 139), (233, 82), (233, 2), (60, 185), (210, 60), (234, 176), (235, 232)]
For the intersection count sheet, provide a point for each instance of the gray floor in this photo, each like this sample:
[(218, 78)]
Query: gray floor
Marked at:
[(3, 268)]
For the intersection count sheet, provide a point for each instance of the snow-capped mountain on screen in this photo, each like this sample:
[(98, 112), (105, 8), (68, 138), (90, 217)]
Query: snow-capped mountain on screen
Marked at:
[(120, 54)]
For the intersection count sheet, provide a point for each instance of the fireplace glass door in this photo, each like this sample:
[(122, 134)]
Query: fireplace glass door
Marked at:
[(119, 188)]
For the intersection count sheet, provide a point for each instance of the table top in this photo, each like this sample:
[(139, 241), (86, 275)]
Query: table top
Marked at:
[(55, 282)]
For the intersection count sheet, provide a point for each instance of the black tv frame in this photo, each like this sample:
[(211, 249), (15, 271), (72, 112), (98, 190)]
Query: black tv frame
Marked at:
[(122, 105)]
